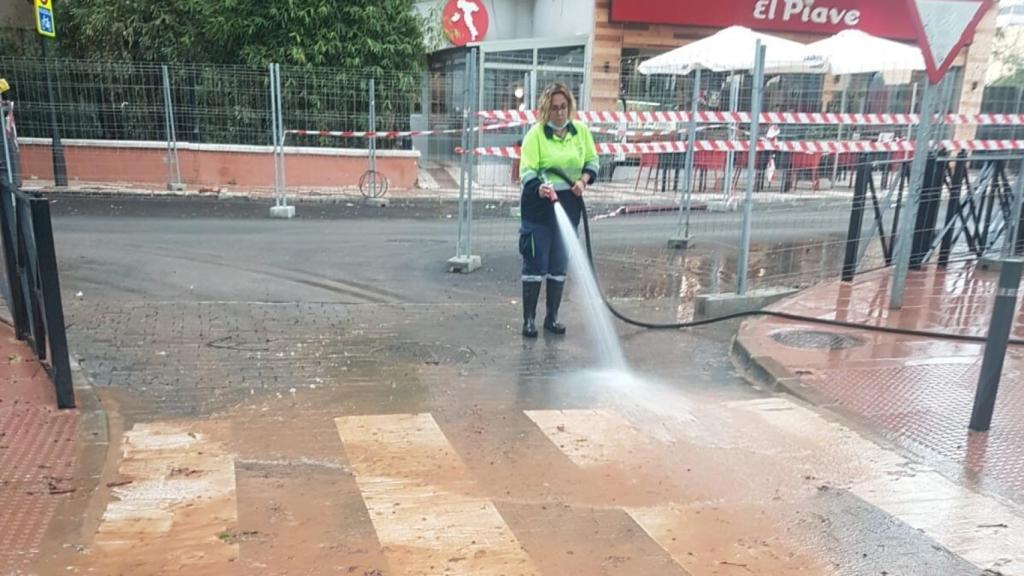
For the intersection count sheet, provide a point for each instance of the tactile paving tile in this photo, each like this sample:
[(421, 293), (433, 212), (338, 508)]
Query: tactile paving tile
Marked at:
[(37, 458), (917, 391), (930, 406)]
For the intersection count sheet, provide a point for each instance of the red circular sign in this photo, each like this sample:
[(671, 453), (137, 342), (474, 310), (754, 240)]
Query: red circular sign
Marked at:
[(464, 21)]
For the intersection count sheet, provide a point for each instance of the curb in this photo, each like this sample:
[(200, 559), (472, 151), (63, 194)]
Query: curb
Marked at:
[(93, 422), (57, 194), (767, 373), (87, 402), (355, 201), (356, 198), (75, 520)]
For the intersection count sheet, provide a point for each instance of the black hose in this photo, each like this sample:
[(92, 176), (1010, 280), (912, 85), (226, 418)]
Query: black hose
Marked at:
[(771, 313)]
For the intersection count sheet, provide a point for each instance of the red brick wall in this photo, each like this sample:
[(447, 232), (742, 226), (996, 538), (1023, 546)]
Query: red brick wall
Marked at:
[(213, 168)]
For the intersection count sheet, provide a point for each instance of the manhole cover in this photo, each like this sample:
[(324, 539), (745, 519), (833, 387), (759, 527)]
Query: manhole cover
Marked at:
[(816, 340)]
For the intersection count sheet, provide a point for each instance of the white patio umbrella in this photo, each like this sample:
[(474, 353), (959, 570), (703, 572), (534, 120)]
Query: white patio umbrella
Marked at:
[(856, 52), (733, 49)]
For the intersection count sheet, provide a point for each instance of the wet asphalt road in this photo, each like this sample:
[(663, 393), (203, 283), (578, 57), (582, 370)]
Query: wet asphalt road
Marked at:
[(152, 284), (274, 338)]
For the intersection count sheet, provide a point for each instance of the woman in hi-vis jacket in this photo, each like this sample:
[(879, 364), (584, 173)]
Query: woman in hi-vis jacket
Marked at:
[(557, 143)]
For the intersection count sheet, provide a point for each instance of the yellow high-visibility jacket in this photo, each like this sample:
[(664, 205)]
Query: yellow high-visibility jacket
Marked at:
[(574, 154)]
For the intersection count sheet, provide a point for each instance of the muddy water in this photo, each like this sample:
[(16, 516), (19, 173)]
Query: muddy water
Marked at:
[(639, 480), (671, 279)]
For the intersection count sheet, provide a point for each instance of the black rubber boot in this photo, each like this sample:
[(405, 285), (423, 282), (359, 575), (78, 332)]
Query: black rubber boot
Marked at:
[(531, 294), (554, 300)]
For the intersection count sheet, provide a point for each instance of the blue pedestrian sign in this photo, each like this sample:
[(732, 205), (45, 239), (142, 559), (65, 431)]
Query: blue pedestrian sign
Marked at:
[(44, 18)]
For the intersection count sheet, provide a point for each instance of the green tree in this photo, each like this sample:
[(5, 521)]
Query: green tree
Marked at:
[(136, 30), (430, 22), (1008, 57), (341, 43), (352, 34)]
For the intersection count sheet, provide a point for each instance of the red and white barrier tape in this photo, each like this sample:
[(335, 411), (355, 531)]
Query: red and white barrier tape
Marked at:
[(530, 116), (394, 134), (646, 133), (485, 128), (808, 147)]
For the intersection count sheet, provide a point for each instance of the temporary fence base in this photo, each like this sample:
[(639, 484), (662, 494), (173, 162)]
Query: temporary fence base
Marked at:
[(680, 243), (286, 212), (992, 263), (376, 202), (464, 264), (715, 305)]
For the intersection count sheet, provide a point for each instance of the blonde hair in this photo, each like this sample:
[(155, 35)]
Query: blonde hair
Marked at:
[(549, 94)]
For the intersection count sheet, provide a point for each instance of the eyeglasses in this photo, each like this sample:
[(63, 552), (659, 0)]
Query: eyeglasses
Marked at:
[(562, 108)]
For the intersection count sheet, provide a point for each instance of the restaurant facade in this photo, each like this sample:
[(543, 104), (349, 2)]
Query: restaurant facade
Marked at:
[(595, 45)]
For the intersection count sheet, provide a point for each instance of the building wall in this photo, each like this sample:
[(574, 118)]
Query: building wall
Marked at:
[(605, 59), (976, 59), (560, 18), (510, 19)]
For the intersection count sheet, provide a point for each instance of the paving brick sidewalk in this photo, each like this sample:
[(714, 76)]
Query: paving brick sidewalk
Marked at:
[(917, 392), (37, 454)]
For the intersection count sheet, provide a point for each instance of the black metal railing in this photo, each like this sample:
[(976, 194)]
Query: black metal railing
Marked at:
[(33, 282), (975, 220)]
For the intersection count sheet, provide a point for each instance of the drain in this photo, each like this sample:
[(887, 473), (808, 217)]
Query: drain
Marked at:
[(816, 340)]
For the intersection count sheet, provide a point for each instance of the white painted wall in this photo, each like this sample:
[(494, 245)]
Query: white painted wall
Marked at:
[(560, 18), (424, 6), (510, 19)]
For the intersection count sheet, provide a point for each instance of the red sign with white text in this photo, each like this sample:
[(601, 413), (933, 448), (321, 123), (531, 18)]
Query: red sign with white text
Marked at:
[(884, 18), (464, 21)]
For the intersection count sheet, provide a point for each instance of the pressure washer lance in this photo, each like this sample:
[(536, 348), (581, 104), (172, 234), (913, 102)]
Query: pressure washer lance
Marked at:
[(551, 195), (775, 314)]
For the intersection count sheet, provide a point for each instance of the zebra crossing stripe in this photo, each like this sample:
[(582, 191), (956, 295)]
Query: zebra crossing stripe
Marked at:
[(177, 505), (976, 527), (598, 439), (430, 516)]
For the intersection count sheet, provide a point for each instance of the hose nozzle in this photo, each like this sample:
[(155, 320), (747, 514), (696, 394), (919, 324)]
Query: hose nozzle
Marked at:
[(548, 191)]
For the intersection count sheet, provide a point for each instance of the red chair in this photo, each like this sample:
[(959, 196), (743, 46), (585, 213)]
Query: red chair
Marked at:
[(806, 163), (902, 156), (846, 162), (705, 160), (739, 167), (649, 161), (897, 160)]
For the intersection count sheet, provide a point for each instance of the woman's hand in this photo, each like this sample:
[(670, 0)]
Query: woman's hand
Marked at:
[(579, 187), (548, 191)]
